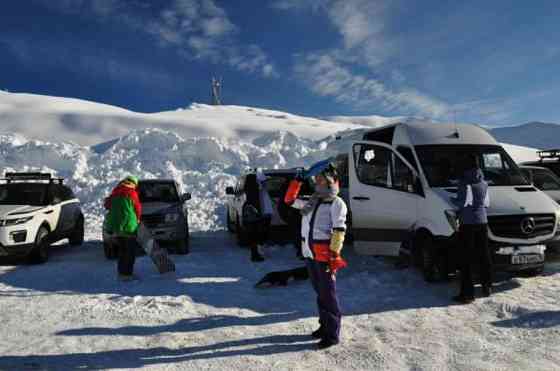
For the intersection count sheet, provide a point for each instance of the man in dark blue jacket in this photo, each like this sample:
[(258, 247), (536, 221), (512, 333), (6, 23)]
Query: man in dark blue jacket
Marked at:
[(472, 201)]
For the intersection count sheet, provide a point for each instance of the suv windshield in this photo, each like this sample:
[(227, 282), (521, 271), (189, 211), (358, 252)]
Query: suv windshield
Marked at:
[(441, 164), (158, 192), (33, 194)]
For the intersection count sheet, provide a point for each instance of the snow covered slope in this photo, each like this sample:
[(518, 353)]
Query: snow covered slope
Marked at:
[(88, 123), (373, 121), (203, 165)]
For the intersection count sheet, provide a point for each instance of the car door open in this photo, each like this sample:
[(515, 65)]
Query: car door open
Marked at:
[(384, 194)]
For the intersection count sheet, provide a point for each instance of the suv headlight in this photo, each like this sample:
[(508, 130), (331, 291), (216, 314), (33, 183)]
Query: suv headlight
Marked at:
[(453, 219), (171, 218), (8, 222)]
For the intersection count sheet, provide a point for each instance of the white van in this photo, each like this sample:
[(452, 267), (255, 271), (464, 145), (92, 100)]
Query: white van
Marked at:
[(398, 182)]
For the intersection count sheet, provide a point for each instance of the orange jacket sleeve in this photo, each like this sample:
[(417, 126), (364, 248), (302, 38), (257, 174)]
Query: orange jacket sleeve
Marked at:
[(292, 192)]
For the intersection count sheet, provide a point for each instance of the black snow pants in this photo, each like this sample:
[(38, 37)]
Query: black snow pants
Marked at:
[(474, 252)]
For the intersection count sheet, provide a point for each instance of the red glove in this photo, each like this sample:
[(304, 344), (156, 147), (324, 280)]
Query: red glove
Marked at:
[(336, 262)]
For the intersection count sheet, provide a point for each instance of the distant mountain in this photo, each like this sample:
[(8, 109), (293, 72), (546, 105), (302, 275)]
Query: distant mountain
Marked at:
[(533, 134)]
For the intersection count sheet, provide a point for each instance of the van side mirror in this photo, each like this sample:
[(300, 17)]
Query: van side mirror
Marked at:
[(230, 191), (186, 197)]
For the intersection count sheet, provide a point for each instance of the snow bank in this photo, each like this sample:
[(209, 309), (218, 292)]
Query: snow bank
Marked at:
[(203, 166)]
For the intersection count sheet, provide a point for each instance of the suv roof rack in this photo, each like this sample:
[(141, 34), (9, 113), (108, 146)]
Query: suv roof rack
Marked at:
[(14, 177), (549, 153)]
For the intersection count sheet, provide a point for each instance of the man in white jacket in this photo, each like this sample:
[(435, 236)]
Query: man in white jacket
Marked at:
[(323, 233)]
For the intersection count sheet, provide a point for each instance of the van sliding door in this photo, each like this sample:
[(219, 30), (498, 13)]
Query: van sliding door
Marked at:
[(383, 198)]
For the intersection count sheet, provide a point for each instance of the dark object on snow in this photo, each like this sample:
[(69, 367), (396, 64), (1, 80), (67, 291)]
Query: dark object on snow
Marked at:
[(281, 278)]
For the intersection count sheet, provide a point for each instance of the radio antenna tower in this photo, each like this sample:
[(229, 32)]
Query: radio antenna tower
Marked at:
[(216, 91)]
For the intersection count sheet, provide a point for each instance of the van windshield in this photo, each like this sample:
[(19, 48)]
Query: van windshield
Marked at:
[(158, 192), (33, 194), (442, 164)]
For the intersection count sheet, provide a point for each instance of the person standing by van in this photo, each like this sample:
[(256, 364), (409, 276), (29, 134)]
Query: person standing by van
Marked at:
[(123, 221), (256, 222), (473, 200), (323, 232)]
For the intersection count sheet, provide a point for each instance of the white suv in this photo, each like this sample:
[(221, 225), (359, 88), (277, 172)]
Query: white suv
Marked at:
[(37, 210)]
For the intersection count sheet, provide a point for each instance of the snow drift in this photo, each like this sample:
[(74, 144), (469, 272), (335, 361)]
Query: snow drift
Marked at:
[(88, 123)]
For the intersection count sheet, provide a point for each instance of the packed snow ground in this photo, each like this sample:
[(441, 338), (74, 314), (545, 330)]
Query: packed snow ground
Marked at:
[(71, 313)]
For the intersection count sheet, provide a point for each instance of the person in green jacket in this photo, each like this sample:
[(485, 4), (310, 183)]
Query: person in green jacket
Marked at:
[(123, 221)]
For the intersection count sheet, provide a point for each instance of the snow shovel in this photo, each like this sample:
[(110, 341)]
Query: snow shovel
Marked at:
[(159, 256)]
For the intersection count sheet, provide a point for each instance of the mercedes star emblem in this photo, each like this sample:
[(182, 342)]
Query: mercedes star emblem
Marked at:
[(528, 225)]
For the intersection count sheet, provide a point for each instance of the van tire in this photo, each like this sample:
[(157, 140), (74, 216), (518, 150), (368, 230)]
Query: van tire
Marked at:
[(40, 252), (242, 236), (424, 256)]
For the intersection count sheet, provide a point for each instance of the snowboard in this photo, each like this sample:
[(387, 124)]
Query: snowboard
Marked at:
[(159, 255)]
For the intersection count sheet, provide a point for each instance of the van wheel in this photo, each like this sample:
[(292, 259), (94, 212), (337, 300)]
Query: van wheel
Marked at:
[(40, 252), (424, 256), (242, 236), (77, 236)]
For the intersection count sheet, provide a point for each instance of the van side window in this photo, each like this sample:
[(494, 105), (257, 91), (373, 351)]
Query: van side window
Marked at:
[(373, 164), (408, 155)]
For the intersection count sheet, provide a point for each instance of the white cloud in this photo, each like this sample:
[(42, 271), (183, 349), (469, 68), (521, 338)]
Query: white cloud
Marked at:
[(198, 29), (329, 77)]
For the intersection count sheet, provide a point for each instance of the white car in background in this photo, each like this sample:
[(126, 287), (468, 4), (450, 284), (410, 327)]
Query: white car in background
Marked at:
[(37, 210), (276, 183)]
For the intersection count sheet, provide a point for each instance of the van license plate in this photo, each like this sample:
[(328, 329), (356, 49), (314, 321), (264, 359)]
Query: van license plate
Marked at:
[(527, 259)]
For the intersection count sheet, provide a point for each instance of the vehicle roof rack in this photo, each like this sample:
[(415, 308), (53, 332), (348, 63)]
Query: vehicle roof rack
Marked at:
[(15, 177), (549, 153)]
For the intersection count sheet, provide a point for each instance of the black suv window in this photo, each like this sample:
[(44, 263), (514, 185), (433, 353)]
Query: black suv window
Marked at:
[(158, 192), (34, 194), (55, 194), (66, 193)]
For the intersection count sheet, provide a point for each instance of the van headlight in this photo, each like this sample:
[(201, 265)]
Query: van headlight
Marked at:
[(8, 222), (171, 218), (558, 221), (453, 219)]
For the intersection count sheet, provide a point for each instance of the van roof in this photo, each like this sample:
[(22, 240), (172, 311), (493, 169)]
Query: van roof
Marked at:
[(429, 133)]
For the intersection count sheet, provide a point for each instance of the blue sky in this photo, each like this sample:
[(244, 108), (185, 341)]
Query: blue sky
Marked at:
[(491, 62)]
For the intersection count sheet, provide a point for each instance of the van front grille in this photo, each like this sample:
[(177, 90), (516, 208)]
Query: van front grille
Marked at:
[(522, 226)]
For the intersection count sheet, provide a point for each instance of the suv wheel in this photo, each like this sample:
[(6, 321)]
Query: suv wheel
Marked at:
[(77, 236), (182, 247), (40, 252)]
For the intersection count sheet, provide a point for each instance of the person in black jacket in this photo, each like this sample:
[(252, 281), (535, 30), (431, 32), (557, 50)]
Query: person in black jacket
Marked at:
[(472, 201), (256, 223)]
